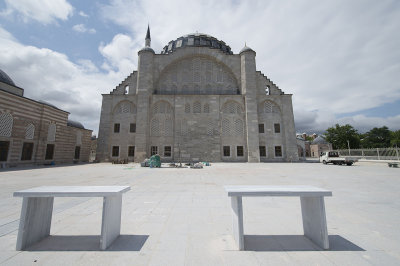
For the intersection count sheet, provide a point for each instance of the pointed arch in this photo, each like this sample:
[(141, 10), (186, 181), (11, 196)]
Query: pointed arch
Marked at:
[(267, 107), (125, 107), (196, 72), (232, 107), (162, 107)]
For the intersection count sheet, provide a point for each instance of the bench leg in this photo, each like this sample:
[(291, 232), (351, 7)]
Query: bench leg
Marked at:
[(35, 221), (314, 220), (237, 213), (111, 220)]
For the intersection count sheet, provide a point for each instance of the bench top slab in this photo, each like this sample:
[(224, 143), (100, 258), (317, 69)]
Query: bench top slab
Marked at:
[(72, 191), (276, 191)]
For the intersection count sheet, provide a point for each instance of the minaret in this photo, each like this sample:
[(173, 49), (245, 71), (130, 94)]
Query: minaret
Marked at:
[(148, 38), (144, 91), (249, 90)]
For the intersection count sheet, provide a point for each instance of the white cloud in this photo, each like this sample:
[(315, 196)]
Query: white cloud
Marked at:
[(120, 54), (43, 11), (320, 121), (83, 14), (335, 57), (51, 76), (82, 29)]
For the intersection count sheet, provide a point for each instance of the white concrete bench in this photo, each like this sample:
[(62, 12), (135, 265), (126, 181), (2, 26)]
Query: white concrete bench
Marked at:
[(37, 209), (312, 209)]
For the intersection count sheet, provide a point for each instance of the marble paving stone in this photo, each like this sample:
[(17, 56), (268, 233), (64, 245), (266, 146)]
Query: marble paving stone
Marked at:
[(364, 196)]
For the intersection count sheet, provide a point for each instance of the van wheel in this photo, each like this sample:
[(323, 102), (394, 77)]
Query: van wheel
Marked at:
[(324, 162), (349, 164)]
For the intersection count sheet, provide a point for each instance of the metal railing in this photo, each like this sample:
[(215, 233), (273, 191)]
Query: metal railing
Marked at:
[(372, 154)]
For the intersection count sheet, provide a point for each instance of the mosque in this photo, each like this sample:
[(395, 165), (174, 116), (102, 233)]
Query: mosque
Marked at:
[(197, 101)]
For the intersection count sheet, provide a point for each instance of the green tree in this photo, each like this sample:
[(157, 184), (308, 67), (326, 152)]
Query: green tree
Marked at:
[(395, 138), (339, 135), (377, 138), (309, 138)]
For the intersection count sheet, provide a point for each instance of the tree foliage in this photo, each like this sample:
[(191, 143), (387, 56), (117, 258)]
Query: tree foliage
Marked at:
[(343, 136), (380, 137), (376, 138), (395, 138)]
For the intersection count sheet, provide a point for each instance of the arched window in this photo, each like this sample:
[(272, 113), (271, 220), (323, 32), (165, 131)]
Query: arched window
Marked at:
[(187, 108), (6, 124), (238, 127), (267, 90), (200, 71), (226, 127), (268, 107), (196, 108), (51, 132), (126, 90), (210, 128), (206, 108), (232, 108), (30, 131), (162, 107), (155, 127), (125, 107)]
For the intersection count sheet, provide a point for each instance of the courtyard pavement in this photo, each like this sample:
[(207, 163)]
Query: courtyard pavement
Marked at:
[(183, 216)]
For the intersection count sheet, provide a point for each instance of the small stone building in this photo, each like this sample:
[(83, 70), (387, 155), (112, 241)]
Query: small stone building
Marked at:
[(319, 145), (33, 132), (197, 101)]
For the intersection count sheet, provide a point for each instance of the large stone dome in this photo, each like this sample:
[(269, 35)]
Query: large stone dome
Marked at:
[(197, 40), (5, 78)]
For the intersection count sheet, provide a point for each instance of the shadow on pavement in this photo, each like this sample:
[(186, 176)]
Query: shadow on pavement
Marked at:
[(295, 243), (88, 243)]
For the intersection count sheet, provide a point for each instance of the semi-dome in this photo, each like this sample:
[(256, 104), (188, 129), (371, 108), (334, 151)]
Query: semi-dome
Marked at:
[(196, 40), (76, 124), (5, 78)]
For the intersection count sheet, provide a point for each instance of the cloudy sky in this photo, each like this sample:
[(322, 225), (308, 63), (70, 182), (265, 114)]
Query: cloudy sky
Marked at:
[(340, 59)]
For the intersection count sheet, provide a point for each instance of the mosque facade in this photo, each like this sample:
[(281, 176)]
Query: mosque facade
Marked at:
[(197, 101)]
